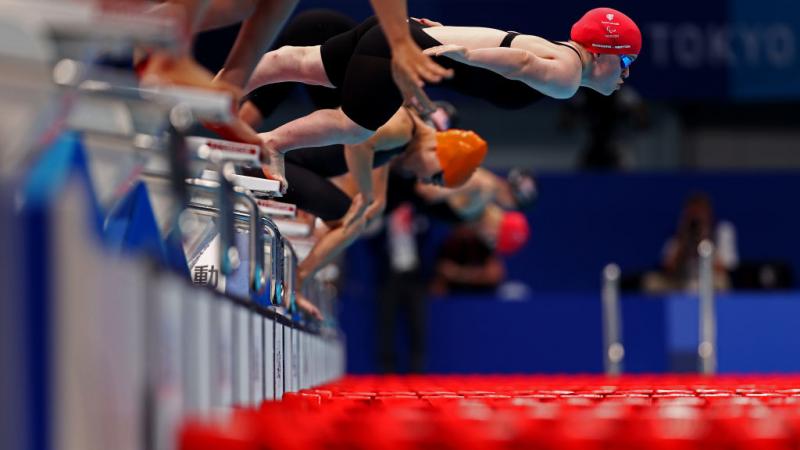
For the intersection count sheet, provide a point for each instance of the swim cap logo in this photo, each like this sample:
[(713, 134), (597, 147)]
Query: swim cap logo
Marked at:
[(610, 21), (610, 24)]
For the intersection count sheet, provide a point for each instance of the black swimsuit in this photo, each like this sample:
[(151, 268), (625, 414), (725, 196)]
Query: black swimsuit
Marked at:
[(312, 27), (359, 63), (308, 171), (564, 44), (510, 35)]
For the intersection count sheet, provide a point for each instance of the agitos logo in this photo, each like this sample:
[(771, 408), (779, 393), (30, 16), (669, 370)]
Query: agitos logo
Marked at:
[(611, 31)]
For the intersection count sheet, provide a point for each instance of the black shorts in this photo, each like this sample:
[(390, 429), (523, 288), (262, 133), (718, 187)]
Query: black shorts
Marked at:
[(308, 171), (310, 191), (315, 193)]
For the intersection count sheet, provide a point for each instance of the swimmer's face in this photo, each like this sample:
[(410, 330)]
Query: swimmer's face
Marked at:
[(430, 169), (420, 158), (609, 73)]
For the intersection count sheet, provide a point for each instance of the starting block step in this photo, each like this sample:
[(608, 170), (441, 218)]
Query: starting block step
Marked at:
[(256, 185), (290, 228)]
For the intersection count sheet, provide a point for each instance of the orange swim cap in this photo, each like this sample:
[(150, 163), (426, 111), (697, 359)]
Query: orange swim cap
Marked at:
[(460, 152)]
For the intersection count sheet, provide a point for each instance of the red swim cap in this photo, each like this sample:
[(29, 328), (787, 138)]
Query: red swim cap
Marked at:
[(513, 233), (606, 30)]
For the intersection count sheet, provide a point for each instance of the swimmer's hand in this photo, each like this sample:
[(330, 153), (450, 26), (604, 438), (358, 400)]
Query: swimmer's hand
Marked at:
[(422, 104), (307, 307), (355, 214), (272, 162), (374, 212), (455, 52), (411, 69)]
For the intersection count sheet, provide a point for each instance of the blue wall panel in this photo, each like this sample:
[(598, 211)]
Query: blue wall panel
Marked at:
[(759, 333), (582, 222), (561, 333), (558, 334)]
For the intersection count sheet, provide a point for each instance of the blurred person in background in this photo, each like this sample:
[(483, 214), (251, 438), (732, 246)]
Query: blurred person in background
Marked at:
[(482, 229), (404, 275), (470, 258), (401, 288), (680, 261), (491, 226)]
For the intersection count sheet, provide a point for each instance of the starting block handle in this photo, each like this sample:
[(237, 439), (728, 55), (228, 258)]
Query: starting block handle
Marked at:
[(202, 104), (276, 249), (289, 275), (205, 105)]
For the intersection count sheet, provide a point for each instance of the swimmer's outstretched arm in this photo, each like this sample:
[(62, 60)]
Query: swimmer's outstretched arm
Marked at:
[(349, 228), (359, 159), (551, 77), (396, 132), (380, 183), (331, 244)]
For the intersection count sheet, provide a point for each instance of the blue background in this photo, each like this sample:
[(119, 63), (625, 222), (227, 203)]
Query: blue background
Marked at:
[(581, 223)]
